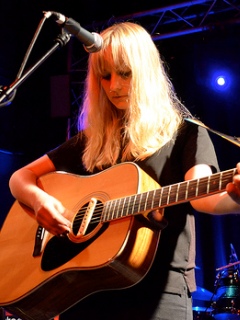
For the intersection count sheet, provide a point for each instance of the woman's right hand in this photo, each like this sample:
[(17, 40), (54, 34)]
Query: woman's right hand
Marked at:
[(51, 214)]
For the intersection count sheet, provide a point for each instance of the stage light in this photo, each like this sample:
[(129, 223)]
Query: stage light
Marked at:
[(221, 81)]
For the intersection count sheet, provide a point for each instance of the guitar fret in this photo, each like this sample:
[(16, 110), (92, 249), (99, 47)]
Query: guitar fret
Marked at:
[(173, 194), (162, 197), (192, 189), (113, 210), (214, 184), (124, 212), (153, 194), (144, 201), (177, 192), (120, 205), (202, 186), (133, 204), (197, 188), (169, 192), (208, 185), (146, 205), (165, 195), (109, 210), (139, 202), (182, 191), (186, 193), (220, 181), (128, 201), (106, 211)]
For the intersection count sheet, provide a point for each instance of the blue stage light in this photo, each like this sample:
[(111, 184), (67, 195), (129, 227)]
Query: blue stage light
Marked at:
[(221, 81)]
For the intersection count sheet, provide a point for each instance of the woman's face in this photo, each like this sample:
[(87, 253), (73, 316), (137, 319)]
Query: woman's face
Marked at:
[(116, 83)]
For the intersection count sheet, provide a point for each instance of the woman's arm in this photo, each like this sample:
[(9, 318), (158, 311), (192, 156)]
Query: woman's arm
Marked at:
[(220, 203), (48, 210)]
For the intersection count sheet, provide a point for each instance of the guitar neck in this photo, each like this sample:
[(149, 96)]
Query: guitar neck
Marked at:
[(167, 196)]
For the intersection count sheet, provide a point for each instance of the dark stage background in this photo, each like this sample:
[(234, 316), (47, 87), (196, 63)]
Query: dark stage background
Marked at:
[(42, 113)]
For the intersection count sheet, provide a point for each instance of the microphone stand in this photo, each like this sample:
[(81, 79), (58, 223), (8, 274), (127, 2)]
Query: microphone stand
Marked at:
[(61, 40)]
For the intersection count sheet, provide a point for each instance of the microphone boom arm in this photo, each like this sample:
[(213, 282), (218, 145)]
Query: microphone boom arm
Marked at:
[(61, 40), (234, 140)]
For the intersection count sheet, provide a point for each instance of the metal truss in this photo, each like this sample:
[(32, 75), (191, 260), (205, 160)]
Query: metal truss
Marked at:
[(163, 23), (187, 17)]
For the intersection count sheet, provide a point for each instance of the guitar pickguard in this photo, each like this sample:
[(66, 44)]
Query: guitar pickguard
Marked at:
[(60, 250)]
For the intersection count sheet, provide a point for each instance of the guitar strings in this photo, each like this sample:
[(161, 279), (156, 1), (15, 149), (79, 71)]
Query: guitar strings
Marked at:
[(159, 198)]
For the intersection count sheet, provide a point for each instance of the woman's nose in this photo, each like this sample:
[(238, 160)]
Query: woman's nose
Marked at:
[(115, 84)]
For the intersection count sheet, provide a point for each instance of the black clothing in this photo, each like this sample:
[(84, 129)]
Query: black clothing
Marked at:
[(175, 258)]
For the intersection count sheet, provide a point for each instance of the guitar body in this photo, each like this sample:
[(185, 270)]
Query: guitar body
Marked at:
[(116, 256)]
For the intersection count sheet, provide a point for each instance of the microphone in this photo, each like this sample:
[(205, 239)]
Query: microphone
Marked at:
[(92, 42)]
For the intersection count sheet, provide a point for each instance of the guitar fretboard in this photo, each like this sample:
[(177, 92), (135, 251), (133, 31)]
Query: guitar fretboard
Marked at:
[(167, 196)]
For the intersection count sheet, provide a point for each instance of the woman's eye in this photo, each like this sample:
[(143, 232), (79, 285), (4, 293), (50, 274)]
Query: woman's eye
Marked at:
[(126, 74), (106, 76)]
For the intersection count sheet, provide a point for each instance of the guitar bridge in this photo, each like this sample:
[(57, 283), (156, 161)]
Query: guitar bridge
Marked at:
[(87, 216)]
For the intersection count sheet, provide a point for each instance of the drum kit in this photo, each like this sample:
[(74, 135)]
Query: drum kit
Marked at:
[(224, 302)]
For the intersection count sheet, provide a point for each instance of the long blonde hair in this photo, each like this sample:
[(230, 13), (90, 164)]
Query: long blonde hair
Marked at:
[(154, 114)]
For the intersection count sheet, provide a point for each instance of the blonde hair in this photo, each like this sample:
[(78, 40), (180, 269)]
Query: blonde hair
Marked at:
[(154, 114)]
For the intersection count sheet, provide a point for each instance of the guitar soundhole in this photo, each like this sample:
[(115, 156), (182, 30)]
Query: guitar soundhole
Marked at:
[(60, 250), (81, 215)]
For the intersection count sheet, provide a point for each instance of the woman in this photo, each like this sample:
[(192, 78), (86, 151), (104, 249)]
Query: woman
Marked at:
[(131, 113)]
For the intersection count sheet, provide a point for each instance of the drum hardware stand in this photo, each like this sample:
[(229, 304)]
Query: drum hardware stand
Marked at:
[(227, 290)]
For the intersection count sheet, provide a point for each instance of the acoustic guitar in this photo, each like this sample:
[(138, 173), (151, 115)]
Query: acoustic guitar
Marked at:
[(112, 243)]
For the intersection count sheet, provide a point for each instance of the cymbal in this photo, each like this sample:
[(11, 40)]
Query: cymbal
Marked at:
[(202, 294)]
